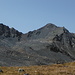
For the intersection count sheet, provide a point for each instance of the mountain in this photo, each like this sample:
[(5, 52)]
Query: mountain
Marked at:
[(47, 45)]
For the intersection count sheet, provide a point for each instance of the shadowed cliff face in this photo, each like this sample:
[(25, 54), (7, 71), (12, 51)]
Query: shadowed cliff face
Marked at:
[(47, 45), (7, 32)]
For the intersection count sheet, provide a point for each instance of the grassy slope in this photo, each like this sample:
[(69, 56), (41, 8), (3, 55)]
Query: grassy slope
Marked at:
[(56, 69)]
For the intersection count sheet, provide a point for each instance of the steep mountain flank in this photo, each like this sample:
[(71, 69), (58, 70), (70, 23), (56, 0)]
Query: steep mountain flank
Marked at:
[(47, 45)]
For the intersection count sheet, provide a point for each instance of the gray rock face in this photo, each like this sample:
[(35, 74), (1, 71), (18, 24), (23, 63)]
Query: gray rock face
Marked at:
[(5, 31), (47, 45)]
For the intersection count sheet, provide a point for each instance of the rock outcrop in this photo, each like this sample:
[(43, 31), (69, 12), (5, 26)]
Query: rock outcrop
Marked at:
[(5, 31)]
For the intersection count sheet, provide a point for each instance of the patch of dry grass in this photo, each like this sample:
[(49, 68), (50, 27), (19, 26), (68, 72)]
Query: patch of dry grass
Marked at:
[(56, 69)]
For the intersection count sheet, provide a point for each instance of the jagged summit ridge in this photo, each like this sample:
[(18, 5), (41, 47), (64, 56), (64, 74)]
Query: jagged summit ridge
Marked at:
[(5, 31), (48, 31)]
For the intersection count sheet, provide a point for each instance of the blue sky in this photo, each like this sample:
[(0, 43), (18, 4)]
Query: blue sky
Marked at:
[(28, 15)]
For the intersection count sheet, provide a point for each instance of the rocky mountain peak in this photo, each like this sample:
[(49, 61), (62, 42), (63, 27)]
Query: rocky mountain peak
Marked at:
[(5, 31), (48, 31), (50, 25)]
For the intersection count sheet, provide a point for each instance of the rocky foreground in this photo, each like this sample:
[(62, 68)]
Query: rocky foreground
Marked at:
[(48, 45)]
